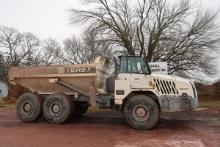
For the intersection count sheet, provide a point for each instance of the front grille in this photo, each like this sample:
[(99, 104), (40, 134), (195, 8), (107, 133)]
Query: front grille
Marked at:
[(165, 87)]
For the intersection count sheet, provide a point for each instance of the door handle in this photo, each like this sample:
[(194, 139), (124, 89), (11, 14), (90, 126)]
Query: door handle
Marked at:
[(137, 79)]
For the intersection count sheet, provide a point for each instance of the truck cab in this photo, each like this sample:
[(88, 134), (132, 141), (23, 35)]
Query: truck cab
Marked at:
[(143, 95), (134, 74)]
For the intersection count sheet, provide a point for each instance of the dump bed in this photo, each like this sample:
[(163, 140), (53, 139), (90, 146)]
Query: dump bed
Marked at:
[(43, 79)]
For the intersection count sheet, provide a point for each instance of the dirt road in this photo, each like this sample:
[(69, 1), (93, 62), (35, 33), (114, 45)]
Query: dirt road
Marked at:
[(109, 129)]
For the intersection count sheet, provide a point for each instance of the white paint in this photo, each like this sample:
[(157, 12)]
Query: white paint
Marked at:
[(159, 67)]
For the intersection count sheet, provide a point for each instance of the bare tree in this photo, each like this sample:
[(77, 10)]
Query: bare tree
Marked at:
[(96, 45), (30, 45), (50, 52), (113, 23), (74, 52), (185, 45), (17, 48), (25, 49), (179, 34), (10, 41), (85, 50), (3, 69)]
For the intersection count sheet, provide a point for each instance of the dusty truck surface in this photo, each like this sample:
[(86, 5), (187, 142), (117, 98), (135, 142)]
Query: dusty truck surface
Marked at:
[(59, 92)]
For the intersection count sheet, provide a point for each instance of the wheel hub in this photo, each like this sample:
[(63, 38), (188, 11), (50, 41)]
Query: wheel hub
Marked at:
[(55, 108), (27, 107), (140, 113)]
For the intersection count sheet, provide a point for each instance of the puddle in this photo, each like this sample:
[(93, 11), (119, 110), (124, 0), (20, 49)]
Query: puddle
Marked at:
[(162, 143)]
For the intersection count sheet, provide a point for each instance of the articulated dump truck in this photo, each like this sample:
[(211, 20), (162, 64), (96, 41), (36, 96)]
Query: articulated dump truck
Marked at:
[(59, 92)]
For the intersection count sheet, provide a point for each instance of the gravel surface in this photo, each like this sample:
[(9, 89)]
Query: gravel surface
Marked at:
[(108, 129)]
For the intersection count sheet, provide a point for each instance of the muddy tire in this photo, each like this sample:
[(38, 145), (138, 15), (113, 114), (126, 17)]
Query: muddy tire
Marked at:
[(141, 112), (58, 108), (80, 109), (29, 107)]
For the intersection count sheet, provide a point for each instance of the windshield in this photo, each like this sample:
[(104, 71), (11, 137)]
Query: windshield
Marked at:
[(134, 65)]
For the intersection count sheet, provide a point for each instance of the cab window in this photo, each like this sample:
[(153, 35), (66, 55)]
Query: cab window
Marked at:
[(134, 65)]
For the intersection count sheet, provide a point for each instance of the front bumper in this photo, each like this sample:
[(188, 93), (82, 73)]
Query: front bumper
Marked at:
[(177, 103)]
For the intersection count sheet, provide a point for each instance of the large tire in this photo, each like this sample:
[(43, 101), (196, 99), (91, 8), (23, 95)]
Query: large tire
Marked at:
[(80, 109), (29, 107), (141, 112), (58, 108)]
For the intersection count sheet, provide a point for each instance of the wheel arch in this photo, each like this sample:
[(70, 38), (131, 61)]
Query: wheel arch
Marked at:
[(148, 93)]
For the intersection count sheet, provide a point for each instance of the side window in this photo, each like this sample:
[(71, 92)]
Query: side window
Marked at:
[(139, 68), (131, 65), (134, 66), (123, 68)]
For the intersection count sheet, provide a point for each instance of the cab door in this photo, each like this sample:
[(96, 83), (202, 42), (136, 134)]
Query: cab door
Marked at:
[(139, 74), (140, 81)]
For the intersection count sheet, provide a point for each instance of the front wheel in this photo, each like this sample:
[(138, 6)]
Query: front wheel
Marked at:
[(141, 112)]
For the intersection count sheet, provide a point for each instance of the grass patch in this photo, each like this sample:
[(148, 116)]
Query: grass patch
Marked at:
[(7, 105), (210, 104)]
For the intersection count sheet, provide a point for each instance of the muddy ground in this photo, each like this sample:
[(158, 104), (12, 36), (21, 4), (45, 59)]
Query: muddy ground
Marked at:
[(108, 129)]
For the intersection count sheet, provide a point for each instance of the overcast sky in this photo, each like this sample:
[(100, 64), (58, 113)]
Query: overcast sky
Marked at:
[(50, 18)]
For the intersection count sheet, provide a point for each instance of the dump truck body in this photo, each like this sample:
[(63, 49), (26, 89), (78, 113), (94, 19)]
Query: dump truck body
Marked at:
[(86, 79), (43, 79)]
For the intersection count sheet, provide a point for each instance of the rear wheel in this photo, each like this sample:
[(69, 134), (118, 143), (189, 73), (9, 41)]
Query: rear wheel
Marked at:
[(29, 107), (58, 108), (141, 112), (80, 109)]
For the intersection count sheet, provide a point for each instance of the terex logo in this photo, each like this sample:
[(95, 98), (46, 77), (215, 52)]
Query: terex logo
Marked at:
[(80, 70)]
